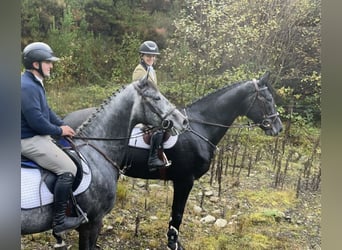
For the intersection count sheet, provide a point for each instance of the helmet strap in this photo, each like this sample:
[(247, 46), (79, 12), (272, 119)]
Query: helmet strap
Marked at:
[(143, 64), (39, 70)]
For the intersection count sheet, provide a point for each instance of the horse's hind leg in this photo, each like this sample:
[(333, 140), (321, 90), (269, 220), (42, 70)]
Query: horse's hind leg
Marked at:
[(88, 234)]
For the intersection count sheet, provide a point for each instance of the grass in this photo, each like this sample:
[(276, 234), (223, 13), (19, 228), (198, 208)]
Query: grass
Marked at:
[(255, 212)]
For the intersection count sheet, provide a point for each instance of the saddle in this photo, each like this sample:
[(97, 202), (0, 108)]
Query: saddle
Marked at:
[(141, 137), (148, 134), (49, 177)]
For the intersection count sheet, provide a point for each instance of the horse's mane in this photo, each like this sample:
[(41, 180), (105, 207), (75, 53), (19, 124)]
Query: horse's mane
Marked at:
[(100, 108), (226, 87)]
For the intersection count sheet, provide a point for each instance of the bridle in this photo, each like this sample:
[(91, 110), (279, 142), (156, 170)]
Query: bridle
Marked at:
[(267, 119), (165, 124), (266, 122)]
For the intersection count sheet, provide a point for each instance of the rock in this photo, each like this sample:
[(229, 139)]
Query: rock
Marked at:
[(154, 186), (214, 199), (220, 223), (217, 211), (197, 209), (234, 216), (153, 217), (209, 193), (141, 184), (208, 219)]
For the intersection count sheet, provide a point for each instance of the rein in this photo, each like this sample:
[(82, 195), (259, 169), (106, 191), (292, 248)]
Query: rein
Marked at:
[(150, 106), (247, 125), (203, 138), (153, 108), (264, 122), (76, 148), (109, 139)]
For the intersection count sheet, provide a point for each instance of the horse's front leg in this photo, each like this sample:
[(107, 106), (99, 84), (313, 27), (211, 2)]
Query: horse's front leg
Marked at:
[(180, 197), (88, 234)]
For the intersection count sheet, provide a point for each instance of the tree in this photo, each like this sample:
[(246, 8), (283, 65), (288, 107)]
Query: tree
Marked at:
[(37, 16), (223, 41)]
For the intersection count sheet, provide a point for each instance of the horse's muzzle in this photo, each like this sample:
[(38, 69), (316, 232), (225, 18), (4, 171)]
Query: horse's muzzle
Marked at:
[(272, 127)]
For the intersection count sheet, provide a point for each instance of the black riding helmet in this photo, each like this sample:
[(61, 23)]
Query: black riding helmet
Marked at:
[(149, 47), (37, 52)]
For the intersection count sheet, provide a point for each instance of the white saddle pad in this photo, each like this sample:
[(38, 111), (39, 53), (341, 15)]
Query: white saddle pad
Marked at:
[(35, 194), (136, 140)]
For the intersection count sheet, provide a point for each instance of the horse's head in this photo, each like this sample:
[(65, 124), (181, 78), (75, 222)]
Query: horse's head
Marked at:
[(262, 109), (158, 110)]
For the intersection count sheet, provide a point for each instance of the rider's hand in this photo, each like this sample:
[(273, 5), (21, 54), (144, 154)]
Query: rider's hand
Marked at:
[(67, 131)]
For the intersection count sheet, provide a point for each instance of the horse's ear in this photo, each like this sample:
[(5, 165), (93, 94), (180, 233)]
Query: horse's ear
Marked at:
[(266, 76), (142, 82), (264, 79), (151, 84)]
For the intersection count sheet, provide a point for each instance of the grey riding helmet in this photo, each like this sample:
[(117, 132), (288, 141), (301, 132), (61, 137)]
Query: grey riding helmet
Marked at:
[(37, 52), (149, 47)]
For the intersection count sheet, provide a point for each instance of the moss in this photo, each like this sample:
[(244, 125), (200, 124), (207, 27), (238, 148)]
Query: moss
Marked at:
[(270, 198), (259, 241)]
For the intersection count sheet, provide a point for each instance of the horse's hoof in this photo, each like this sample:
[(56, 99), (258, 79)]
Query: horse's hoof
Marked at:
[(175, 246), (60, 246), (173, 242)]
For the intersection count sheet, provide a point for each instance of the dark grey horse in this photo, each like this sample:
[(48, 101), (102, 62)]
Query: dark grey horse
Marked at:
[(138, 102), (210, 117)]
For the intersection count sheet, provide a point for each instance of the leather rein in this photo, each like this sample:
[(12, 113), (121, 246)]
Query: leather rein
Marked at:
[(165, 123), (264, 123)]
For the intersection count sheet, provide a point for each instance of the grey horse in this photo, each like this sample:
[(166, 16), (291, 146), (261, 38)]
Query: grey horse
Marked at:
[(102, 140)]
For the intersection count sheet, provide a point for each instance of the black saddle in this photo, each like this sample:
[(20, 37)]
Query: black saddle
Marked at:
[(49, 177)]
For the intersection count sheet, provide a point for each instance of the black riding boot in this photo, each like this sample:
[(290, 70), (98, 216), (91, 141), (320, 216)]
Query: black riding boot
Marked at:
[(153, 161), (62, 193)]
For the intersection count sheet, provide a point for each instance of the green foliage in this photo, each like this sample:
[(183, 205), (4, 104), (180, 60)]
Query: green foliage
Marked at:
[(213, 39), (66, 100), (37, 16), (125, 59), (269, 200), (204, 45)]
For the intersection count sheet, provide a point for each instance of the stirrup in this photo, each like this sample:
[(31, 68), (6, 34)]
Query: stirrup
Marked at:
[(167, 161), (79, 210)]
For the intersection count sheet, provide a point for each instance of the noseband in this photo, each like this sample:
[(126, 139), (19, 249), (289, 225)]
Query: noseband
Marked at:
[(268, 119)]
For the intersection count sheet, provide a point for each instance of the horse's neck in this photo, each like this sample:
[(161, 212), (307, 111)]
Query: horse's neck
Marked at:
[(219, 108), (111, 120)]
